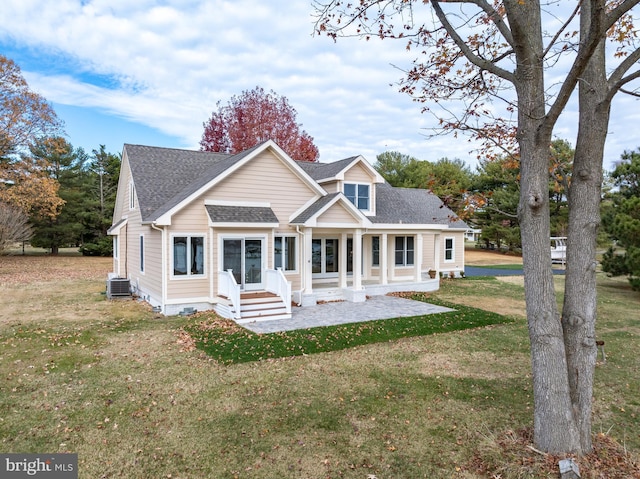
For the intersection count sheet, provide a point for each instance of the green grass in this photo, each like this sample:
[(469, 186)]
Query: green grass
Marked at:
[(245, 346), (115, 383)]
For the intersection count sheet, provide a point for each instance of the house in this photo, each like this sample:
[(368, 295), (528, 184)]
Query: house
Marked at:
[(250, 233)]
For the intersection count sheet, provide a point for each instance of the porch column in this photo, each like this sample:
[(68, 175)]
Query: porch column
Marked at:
[(436, 253), (307, 263), (418, 258), (383, 259), (357, 259), (342, 262)]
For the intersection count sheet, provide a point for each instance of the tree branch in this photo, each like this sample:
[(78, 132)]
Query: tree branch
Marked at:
[(464, 48), (586, 49)]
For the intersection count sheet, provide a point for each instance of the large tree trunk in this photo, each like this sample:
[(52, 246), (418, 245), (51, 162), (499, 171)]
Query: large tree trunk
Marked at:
[(579, 309), (554, 425)]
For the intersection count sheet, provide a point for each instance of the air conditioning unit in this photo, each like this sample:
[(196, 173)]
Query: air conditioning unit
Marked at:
[(117, 288)]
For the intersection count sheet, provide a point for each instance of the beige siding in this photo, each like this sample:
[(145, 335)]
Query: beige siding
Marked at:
[(458, 245), (357, 174), (428, 251), (265, 179), (148, 282), (336, 214), (331, 186)]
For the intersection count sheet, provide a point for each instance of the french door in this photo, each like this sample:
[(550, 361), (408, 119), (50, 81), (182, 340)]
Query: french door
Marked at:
[(245, 258), (325, 258)]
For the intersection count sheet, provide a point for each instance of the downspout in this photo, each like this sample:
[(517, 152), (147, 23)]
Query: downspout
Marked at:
[(163, 269)]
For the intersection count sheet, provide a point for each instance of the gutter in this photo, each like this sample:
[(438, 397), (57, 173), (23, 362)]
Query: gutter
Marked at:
[(164, 264)]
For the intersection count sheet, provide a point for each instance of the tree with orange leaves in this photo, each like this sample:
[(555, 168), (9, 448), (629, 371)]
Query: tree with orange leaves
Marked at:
[(254, 117), (25, 117)]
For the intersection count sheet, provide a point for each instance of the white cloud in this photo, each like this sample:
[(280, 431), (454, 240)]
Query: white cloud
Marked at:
[(166, 64)]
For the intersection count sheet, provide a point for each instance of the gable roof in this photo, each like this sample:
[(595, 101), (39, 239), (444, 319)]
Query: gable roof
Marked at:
[(335, 171), (160, 174), (323, 204), (165, 177)]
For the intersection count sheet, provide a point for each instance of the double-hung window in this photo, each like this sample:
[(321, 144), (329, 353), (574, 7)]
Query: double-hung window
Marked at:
[(448, 250), (188, 255), (375, 251), (358, 194), (404, 251), (285, 252)]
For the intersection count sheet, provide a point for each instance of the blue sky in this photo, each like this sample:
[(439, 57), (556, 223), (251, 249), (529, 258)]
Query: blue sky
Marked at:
[(151, 72)]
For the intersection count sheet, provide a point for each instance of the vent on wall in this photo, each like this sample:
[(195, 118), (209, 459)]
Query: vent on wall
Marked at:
[(117, 288)]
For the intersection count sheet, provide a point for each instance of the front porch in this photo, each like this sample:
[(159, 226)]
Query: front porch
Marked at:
[(332, 291)]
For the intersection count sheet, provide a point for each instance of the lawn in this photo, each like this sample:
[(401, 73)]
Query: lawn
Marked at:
[(126, 390)]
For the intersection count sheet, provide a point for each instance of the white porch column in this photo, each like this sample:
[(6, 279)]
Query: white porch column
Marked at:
[(436, 253), (418, 258), (307, 263), (342, 263), (357, 259), (384, 267)]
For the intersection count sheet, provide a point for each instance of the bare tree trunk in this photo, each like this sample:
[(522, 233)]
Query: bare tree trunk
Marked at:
[(554, 425), (579, 308)]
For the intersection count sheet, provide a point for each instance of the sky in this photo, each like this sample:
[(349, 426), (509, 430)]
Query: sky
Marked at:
[(151, 72)]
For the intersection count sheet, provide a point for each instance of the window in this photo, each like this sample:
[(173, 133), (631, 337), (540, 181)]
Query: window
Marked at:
[(375, 251), (404, 251), (285, 252), (132, 196), (358, 195), (116, 242), (141, 254), (448, 249), (188, 255)]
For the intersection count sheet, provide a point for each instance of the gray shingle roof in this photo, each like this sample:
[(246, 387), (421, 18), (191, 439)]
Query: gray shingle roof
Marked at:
[(412, 206), (241, 214), (321, 171), (165, 176), (313, 209)]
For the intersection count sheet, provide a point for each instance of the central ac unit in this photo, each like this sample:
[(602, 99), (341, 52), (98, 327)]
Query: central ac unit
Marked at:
[(118, 287)]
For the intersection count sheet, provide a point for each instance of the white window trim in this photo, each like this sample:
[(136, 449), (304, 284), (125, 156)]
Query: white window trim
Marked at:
[(453, 250), (373, 264), (116, 246), (189, 275), (297, 246), (404, 252), (370, 209)]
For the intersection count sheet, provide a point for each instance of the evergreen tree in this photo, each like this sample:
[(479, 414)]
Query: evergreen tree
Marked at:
[(100, 189), (65, 165), (621, 219)]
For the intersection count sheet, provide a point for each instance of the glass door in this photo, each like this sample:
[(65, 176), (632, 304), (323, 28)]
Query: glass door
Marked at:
[(243, 256), (324, 257)]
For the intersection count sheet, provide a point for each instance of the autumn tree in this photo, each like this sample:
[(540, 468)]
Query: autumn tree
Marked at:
[(62, 164), (252, 118), (25, 116), (477, 53)]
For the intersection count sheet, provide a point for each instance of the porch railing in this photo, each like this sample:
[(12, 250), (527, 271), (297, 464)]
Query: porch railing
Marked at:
[(229, 288), (277, 284)]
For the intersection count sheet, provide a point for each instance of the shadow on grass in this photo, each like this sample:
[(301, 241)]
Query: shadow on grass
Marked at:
[(239, 345)]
